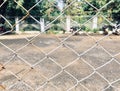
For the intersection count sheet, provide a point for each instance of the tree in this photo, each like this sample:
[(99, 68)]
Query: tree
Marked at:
[(114, 10), (73, 8), (14, 8), (2, 12), (51, 10), (92, 8), (21, 8)]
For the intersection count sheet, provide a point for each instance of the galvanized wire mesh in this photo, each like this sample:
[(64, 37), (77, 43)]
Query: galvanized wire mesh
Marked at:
[(63, 62)]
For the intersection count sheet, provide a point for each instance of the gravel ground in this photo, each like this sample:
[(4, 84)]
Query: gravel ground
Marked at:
[(47, 63)]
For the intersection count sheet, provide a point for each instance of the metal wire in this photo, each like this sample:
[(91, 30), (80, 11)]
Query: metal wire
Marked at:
[(65, 64)]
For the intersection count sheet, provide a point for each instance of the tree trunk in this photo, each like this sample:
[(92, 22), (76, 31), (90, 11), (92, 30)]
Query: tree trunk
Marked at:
[(68, 23), (2, 12), (17, 25), (95, 20), (2, 21), (42, 25)]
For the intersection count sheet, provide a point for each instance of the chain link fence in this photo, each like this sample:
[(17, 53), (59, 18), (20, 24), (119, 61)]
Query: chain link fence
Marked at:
[(59, 62)]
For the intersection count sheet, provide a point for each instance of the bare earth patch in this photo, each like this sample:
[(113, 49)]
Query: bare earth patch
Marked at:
[(59, 63)]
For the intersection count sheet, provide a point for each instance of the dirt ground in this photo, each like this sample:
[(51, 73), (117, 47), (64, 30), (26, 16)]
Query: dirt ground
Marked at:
[(59, 63)]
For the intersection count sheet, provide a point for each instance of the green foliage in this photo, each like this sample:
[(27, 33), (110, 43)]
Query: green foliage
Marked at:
[(83, 28), (53, 32), (88, 29), (19, 2), (30, 28), (57, 27), (95, 30), (74, 8), (114, 9), (48, 9), (42, 9), (13, 9), (3, 7), (34, 11), (91, 8)]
